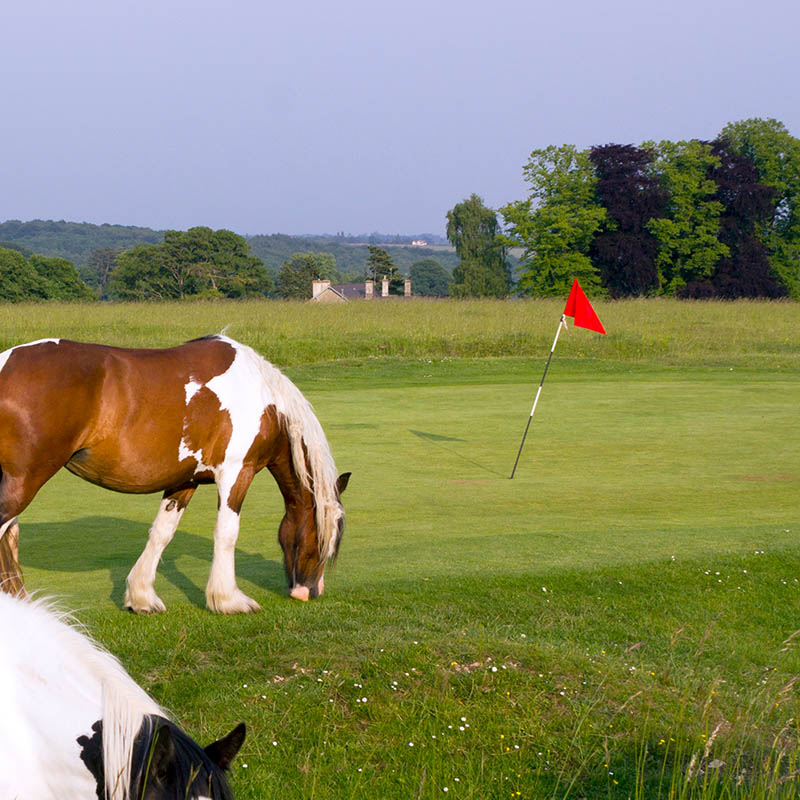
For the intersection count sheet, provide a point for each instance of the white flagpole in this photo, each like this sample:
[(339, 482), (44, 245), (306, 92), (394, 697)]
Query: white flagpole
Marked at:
[(562, 322)]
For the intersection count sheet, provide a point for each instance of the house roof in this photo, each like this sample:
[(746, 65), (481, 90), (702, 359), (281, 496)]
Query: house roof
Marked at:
[(351, 291)]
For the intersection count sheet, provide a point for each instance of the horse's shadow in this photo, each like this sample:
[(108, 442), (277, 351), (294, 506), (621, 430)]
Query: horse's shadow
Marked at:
[(114, 544)]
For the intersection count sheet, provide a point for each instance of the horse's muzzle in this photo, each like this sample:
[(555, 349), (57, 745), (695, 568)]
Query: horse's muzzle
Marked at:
[(305, 593)]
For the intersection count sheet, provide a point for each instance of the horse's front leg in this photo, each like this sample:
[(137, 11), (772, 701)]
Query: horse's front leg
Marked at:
[(15, 494), (222, 593), (140, 596)]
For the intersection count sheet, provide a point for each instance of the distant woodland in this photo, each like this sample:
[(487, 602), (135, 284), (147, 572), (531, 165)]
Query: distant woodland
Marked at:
[(122, 262), (689, 219)]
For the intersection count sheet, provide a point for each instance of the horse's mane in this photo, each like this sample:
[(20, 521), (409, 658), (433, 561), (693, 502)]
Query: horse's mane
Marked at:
[(311, 454), (125, 705), (190, 761)]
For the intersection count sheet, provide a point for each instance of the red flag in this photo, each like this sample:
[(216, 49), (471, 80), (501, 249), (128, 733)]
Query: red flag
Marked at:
[(581, 309)]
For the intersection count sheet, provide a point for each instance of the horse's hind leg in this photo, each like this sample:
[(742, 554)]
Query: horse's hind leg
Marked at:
[(140, 596), (222, 593), (11, 580)]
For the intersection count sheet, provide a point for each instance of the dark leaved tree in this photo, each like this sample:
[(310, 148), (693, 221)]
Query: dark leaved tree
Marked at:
[(624, 251), (775, 153), (748, 208)]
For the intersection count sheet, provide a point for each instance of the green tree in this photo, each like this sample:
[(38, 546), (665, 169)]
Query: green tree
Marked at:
[(60, 279), (482, 271), (39, 278), (139, 275), (19, 280), (296, 277), (688, 236), (775, 154), (380, 265), (101, 264), (197, 262), (222, 263), (429, 277), (556, 224)]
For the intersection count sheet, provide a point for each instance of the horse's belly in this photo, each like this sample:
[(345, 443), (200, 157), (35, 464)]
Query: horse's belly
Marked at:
[(133, 475)]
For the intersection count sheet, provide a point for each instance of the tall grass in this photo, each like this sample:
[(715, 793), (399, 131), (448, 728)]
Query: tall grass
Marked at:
[(670, 332)]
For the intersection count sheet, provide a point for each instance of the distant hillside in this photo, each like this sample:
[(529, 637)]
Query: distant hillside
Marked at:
[(76, 241), (351, 257)]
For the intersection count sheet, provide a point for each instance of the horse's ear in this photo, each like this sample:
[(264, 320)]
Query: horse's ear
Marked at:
[(223, 751), (161, 759), (341, 483)]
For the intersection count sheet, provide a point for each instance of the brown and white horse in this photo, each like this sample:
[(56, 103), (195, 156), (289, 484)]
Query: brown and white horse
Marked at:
[(208, 411)]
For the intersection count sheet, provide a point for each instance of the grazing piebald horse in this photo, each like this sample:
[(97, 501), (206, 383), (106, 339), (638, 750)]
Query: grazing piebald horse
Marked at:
[(208, 411), (74, 724)]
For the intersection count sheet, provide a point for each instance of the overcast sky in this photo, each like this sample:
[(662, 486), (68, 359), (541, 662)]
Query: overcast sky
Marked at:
[(311, 116)]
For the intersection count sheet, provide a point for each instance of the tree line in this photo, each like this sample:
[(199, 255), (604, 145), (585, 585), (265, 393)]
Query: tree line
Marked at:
[(198, 263), (691, 219)]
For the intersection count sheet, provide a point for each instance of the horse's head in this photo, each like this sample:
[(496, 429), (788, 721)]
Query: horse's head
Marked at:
[(306, 548), (175, 766), (166, 763)]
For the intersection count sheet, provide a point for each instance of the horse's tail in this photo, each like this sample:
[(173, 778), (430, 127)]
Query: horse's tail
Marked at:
[(11, 578)]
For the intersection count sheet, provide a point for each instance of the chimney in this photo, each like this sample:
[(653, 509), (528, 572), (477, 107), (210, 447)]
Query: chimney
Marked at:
[(318, 287), (407, 288), (385, 287), (369, 290)]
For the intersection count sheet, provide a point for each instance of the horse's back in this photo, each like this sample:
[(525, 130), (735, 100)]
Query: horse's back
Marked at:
[(50, 367), (114, 416)]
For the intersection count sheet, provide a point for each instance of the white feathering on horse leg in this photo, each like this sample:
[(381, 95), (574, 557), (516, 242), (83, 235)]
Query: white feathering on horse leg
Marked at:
[(222, 593), (139, 593)]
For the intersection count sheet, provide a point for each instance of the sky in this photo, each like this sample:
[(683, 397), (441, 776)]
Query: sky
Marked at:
[(316, 117)]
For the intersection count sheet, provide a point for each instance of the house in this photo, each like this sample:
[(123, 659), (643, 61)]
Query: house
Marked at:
[(323, 292)]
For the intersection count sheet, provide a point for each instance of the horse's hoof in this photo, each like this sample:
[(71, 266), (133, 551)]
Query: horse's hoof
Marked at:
[(237, 603), (153, 606)]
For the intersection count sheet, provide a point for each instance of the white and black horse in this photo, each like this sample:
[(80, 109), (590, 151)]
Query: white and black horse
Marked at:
[(75, 726)]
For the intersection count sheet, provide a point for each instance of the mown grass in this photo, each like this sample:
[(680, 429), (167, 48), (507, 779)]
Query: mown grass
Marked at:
[(618, 621)]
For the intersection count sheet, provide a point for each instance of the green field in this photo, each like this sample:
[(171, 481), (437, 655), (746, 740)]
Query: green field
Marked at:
[(620, 620)]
